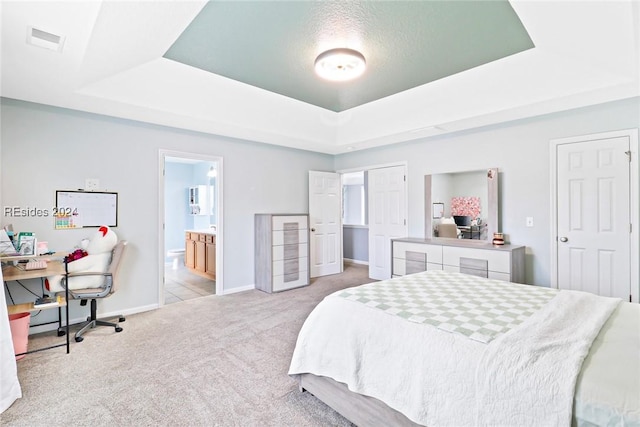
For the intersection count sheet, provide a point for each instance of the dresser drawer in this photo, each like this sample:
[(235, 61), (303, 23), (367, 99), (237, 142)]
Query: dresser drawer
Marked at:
[(497, 261), (506, 277), (471, 271), (402, 267), (412, 251), (288, 237), (500, 276), (288, 281), (289, 251), (288, 222), (281, 251), (289, 266)]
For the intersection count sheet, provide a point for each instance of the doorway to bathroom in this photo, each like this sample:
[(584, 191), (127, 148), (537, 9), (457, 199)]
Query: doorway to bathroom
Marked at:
[(191, 241)]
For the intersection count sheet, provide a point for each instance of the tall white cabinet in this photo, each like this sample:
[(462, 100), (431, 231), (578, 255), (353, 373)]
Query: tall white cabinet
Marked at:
[(281, 251), (412, 255)]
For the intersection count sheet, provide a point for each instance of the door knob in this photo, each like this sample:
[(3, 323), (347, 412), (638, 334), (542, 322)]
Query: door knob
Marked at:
[(313, 229), (564, 239)]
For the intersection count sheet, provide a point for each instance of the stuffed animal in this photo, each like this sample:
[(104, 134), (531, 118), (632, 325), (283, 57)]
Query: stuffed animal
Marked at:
[(93, 256)]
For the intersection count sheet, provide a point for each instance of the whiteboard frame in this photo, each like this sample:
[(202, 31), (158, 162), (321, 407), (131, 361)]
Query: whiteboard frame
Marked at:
[(113, 215)]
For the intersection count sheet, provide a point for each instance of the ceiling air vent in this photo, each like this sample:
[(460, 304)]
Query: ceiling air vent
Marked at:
[(44, 39)]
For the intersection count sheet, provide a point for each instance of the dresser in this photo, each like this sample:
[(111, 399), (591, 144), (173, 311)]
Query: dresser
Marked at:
[(412, 255), (281, 251)]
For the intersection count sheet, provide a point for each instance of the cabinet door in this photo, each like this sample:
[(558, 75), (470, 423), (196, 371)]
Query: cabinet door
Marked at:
[(201, 259), (211, 259), (190, 253)]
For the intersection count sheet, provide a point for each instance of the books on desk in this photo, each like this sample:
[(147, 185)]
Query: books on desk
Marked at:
[(47, 302), (27, 243)]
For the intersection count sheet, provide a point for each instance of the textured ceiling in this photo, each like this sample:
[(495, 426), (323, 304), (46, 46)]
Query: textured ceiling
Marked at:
[(272, 45), (113, 63)]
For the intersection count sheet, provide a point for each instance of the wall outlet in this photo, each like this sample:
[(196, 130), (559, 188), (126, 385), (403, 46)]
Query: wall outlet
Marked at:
[(91, 184), (529, 221)]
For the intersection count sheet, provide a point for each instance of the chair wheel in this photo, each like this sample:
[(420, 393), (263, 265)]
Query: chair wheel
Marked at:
[(118, 329), (79, 339), (122, 319), (61, 333)]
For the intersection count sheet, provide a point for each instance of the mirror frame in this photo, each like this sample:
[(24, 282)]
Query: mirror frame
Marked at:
[(492, 209)]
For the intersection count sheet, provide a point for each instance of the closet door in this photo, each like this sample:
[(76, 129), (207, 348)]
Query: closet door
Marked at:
[(325, 223), (593, 216), (387, 217)]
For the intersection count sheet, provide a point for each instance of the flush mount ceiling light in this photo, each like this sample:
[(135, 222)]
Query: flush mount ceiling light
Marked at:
[(340, 64)]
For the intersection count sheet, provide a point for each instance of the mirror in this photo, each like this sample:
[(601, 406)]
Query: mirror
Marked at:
[(462, 205)]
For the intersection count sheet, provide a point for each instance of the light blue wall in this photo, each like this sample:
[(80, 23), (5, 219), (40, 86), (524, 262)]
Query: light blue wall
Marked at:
[(63, 147), (199, 177), (178, 178), (355, 240), (355, 243), (60, 148), (520, 150)]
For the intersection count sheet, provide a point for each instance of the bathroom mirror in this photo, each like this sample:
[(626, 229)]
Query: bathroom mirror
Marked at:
[(467, 199)]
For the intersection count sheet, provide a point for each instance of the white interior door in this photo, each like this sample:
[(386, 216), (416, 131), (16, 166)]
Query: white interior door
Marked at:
[(593, 216), (387, 217), (325, 225)]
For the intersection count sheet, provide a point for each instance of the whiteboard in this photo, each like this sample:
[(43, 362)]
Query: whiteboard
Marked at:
[(79, 209)]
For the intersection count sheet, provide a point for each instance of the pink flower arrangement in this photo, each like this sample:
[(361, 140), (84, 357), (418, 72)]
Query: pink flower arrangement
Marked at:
[(466, 206)]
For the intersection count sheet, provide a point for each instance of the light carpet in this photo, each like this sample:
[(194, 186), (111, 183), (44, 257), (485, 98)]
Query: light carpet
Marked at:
[(211, 361)]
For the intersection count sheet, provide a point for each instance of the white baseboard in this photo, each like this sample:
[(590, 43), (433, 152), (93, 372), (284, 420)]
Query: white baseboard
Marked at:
[(240, 289), (354, 261)]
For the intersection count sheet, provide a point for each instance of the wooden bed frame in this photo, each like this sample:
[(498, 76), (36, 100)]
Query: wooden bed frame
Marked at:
[(359, 409)]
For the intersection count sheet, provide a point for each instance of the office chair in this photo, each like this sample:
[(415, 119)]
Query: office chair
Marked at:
[(448, 230), (108, 286)]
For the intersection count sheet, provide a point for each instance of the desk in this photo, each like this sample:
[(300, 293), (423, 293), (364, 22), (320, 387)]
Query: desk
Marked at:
[(15, 273), (55, 255)]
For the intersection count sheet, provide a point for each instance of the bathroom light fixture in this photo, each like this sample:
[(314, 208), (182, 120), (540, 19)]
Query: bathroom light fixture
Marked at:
[(212, 172), (340, 64)]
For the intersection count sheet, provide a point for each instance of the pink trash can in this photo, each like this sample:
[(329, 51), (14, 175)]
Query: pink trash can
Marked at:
[(19, 324)]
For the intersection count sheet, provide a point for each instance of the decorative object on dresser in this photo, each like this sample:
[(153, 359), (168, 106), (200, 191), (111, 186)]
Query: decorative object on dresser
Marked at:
[(413, 255), (281, 251), (498, 239), (200, 253)]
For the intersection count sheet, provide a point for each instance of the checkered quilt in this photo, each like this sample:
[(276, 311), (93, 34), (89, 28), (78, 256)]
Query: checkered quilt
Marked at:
[(481, 309)]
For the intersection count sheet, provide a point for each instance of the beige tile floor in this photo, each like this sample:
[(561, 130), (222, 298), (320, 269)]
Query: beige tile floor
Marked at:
[(180, 284)]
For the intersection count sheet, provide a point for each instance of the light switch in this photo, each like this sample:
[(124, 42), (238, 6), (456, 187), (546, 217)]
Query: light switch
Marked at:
[(529, 221)]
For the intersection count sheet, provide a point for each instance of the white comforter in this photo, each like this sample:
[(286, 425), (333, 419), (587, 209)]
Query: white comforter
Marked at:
[(438, 378)]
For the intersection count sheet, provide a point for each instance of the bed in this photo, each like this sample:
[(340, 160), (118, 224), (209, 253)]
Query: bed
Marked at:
[(442, 348)]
